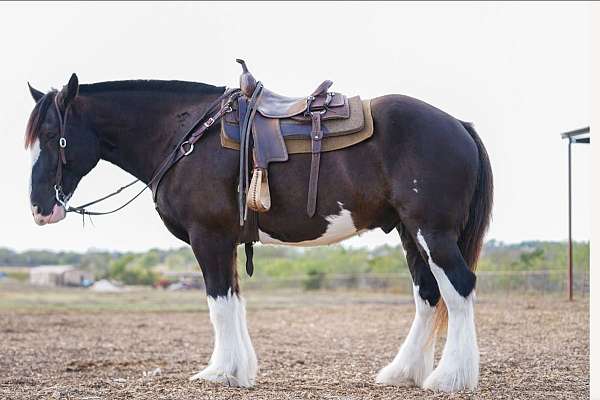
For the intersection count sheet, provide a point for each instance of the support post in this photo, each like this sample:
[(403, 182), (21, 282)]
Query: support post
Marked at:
[(570, 232)]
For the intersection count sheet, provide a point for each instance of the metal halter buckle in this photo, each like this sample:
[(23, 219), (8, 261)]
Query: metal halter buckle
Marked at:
[(58, 193), (188, 151), (209, 122), (62, 142)]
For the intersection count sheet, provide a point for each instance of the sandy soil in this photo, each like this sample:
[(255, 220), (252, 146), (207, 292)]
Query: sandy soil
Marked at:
[(328, 346)]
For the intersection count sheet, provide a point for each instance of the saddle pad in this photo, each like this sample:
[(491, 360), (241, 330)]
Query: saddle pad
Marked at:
[(339, 133)]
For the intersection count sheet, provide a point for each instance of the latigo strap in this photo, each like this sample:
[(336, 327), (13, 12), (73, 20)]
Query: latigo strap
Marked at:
[(313, 183)]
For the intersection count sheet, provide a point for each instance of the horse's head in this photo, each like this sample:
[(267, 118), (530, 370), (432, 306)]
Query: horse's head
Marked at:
[(63, 149)]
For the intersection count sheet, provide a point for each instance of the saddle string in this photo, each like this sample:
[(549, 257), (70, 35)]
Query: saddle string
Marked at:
[(167, 163)]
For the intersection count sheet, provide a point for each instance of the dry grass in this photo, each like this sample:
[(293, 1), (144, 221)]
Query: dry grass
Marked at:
[(325, 346)]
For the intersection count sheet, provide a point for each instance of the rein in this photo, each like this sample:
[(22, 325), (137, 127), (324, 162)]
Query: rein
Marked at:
[(184, 147)]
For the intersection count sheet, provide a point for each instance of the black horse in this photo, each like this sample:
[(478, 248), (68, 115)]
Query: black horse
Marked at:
[(423, 172)]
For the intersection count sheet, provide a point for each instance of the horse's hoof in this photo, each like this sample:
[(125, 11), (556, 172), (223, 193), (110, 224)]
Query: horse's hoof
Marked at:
[(217, 376), (401, 375), (392, 375), (451, 380)]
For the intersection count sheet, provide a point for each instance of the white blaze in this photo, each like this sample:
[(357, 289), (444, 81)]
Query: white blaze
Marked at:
[(34, 152)]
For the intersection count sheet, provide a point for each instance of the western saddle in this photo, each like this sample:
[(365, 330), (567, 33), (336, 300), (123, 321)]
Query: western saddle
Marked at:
[(268, 125)]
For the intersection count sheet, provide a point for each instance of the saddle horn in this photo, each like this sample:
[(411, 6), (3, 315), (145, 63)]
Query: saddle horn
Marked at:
[(247, 81)]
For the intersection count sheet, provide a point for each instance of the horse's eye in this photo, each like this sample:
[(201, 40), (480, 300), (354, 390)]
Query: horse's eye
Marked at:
[(51, 134)]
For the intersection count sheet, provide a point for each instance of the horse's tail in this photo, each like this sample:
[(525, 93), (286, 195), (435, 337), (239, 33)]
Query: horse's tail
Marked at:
[(470, 240)]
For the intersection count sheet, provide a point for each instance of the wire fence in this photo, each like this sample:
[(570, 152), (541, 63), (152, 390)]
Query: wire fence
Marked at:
[(496, 282)]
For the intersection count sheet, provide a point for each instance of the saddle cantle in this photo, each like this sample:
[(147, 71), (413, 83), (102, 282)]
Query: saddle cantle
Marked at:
[(273, 126)]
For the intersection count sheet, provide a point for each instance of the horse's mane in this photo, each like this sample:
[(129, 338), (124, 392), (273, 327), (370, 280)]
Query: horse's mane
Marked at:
[(41, 108), (37, 116), (150, 85)]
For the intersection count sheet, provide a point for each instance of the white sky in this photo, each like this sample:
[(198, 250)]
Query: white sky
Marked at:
[(520, 72)]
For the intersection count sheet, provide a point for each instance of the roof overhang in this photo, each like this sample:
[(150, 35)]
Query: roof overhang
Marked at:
[(581, 135)]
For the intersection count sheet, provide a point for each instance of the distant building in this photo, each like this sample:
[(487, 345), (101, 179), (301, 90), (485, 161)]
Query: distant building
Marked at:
[(188, 278), (59, 275)]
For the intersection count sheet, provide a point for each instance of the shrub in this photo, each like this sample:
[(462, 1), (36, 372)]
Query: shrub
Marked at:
[(132, 270), (314, 279)]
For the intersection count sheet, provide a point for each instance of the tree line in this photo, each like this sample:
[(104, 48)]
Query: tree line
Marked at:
[(288, 262)]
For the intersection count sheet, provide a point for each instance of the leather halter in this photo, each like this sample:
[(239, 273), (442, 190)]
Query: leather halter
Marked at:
[(184, 147)]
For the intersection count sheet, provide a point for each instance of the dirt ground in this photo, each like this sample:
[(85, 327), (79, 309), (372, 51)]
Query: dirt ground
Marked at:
[(310, 346)]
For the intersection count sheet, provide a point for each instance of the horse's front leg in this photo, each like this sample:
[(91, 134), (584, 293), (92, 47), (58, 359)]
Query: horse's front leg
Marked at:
[(233, 361)]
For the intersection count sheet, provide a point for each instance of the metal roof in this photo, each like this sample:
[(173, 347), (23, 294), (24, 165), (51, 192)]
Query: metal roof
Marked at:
[(51, 269), (581, 135)]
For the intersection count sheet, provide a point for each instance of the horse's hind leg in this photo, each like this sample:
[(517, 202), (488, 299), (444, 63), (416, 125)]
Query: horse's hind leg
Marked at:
[(414, 361), (233, 361), (459, 366)]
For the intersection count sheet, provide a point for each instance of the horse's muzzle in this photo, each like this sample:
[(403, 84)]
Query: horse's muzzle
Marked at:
[(58, 214)]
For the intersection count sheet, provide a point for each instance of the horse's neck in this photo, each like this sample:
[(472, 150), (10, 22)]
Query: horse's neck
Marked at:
[(137, 133)]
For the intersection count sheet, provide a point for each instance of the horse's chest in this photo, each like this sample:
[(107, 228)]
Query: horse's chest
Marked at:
[(338, 227)]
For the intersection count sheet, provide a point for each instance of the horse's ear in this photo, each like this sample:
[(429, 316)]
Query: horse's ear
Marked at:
[(69, 92), (36, 94)]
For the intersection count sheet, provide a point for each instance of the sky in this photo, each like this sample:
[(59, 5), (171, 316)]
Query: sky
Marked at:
[(519, 71)]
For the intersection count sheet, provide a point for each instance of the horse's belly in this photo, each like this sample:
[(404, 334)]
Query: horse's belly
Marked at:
[(339, 227)]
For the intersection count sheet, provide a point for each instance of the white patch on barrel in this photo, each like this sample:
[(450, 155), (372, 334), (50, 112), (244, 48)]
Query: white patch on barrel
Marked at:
[(458, 368), (340, 227)]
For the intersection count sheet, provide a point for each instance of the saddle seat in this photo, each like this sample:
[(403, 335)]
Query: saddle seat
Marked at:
[(273, 105)]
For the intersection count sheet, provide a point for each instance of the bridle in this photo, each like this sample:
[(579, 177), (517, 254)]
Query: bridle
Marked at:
[(184, 147), (62, 157)]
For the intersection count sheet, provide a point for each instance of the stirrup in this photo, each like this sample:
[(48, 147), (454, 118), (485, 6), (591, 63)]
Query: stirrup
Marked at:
[(259, 196)]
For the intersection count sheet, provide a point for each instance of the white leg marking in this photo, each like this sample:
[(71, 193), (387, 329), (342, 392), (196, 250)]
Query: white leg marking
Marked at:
[(459, 366), (403, 249), (233, 361), (414, 361), (340, 226)]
